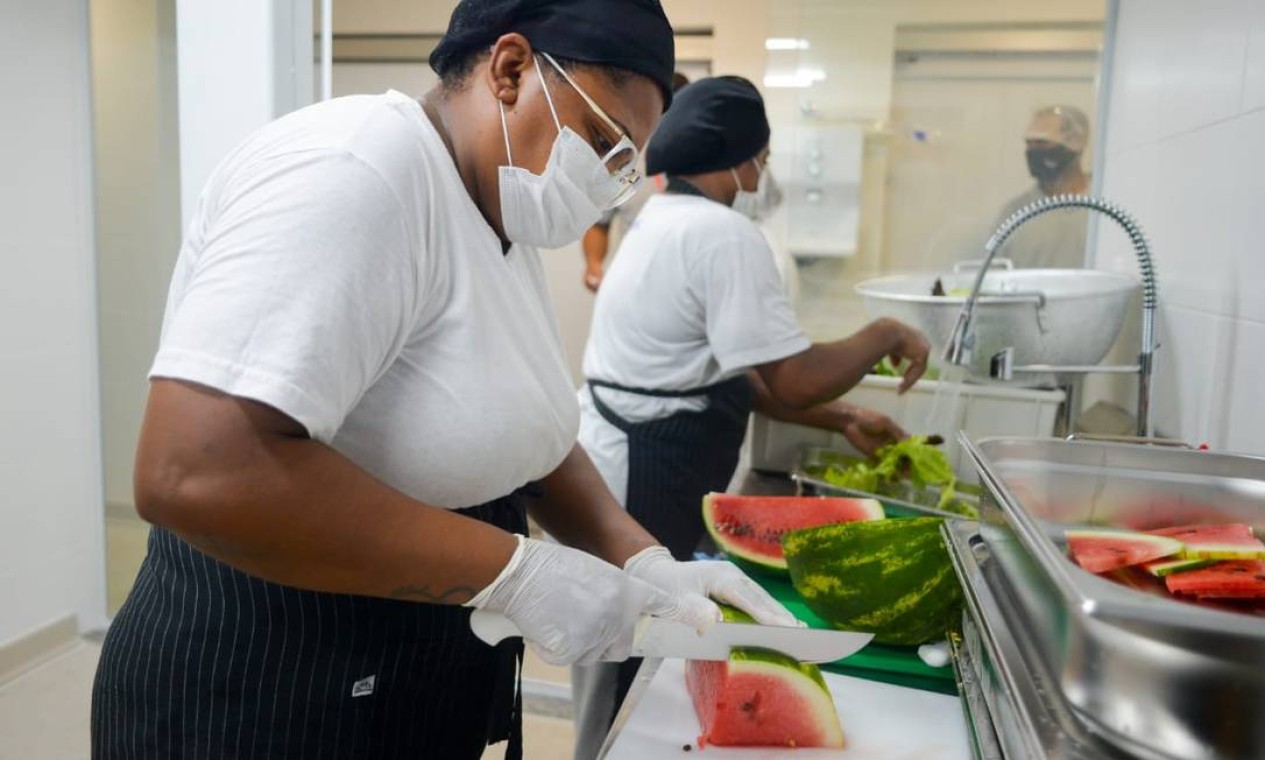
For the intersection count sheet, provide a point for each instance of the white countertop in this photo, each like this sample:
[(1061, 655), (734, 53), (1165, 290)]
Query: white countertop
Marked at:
[(880, 721)]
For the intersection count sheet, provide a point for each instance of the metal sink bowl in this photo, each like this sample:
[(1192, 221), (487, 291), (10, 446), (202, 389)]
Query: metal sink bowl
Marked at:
[(1065, 317)]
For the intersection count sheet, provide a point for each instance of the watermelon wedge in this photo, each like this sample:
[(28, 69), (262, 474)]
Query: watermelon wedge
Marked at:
[(1099, 551), (1162, 568), (1236, 579), (1225, 541), (750, 528), (760, 698)]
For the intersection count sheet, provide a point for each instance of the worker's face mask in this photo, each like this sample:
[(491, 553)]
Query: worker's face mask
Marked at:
[(1045, 164), (759, 203), (553, 209)]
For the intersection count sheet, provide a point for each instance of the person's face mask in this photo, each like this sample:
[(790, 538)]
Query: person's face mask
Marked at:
[(1045, 164), (759, 203), (552, 209)]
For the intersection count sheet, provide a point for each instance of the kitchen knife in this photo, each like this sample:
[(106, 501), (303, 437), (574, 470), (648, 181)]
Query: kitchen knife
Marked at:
[(658, 637)]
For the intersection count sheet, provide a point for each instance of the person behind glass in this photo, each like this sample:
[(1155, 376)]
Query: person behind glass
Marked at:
[(691, 331), (359, 393), (603, 238), (1054, 145)]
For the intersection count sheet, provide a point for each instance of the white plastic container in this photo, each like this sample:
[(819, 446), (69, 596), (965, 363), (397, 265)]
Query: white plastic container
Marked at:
[(981, 410)]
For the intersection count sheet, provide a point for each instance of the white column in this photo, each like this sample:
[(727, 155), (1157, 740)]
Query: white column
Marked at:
[(242, 64), (51, 530)]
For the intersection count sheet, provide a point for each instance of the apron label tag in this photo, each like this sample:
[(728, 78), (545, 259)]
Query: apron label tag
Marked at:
[(363, 687)]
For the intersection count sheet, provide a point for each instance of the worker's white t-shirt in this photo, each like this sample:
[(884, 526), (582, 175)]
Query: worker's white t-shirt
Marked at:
[(337, 270), (694, 298)]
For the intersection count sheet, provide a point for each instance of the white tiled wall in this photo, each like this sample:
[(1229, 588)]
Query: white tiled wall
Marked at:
[(1185, 152)]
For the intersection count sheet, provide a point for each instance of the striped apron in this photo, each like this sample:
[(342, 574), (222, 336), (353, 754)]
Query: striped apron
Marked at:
[(204, 660)]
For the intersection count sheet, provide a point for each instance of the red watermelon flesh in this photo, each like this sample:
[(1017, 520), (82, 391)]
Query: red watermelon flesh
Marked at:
[(751, 527), (1237, 579), (1100, 551), (762, 699), (1224, 541)]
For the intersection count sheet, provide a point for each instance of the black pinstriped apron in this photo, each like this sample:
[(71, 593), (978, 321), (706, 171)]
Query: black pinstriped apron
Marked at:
[(673, 462), (204, 660)]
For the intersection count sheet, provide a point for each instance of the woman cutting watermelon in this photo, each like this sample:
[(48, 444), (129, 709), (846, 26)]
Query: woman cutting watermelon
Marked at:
[(360, 390), (691, 331)]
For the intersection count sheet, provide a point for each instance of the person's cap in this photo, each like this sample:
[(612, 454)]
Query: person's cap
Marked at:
[(716, 123), (633, 35), (1063, 125)]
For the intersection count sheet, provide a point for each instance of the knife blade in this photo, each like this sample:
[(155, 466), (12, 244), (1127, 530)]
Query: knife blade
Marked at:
[(657, 637)]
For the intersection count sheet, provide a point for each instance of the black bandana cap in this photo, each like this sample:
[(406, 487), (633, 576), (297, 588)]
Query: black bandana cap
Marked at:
[(633, 35), (715, 123)]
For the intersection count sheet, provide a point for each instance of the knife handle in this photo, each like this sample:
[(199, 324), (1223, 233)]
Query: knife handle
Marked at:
[(492, 627)]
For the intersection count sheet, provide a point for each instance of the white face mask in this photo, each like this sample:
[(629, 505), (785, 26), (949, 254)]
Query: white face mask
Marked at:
[(761, 202), (555, 208)]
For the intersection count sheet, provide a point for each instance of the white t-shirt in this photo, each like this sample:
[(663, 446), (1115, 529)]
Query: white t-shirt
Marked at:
[(694, 298), (337, 270)]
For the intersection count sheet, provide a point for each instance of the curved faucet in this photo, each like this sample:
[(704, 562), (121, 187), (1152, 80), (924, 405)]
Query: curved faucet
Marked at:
[(962, 340)]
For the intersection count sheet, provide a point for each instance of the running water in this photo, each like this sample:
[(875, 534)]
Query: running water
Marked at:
[(946, 404)]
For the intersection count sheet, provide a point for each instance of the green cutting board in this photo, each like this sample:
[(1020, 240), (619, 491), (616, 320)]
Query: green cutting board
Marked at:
[(895, 665)]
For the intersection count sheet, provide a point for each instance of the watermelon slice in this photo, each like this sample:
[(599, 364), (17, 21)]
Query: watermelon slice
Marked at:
[(750, 528), (1225, 541), (1101, 550), (760, 698), (1237, 579), (1162, 568)]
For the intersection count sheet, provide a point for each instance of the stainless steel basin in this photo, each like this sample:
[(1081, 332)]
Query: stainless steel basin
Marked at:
[(1049, 316), (1155, 676)]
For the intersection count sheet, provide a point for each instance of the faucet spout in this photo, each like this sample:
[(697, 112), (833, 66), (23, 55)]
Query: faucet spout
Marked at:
[(962, 339)]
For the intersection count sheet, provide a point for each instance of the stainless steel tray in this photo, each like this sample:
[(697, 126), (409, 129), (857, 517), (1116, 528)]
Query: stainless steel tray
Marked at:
[(912, 500), (1152, 674), (1007, 694)]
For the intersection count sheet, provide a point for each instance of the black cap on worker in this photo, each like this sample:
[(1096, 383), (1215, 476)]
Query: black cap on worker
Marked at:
[(633, 35), (715, 123)]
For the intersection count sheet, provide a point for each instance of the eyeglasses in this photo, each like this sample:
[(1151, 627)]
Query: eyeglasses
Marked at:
[(620, 161)]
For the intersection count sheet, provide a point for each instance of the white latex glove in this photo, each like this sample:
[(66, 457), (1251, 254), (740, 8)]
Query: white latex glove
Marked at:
[(575, 608), (708, 579)]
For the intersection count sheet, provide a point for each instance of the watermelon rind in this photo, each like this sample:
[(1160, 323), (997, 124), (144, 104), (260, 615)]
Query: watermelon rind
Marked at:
[(732, 614), (1227, 541), (1224, 552), (763, 562), (1162, 568), (1118, 548), (892, 578)]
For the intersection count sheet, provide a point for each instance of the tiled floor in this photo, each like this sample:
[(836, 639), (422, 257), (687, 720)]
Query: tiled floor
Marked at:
[(44, 713)]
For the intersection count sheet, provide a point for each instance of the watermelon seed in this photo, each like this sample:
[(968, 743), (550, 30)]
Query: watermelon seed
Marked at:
[(687, 747), (751, 705)]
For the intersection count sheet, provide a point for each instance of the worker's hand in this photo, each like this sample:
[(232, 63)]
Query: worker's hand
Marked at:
[(575, 608), (593, 277), (869, 430), (704, 580), (907, 345)]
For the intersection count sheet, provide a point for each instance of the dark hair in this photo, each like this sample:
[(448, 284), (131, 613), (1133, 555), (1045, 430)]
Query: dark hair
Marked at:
[(458, 72), (679, 80)]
